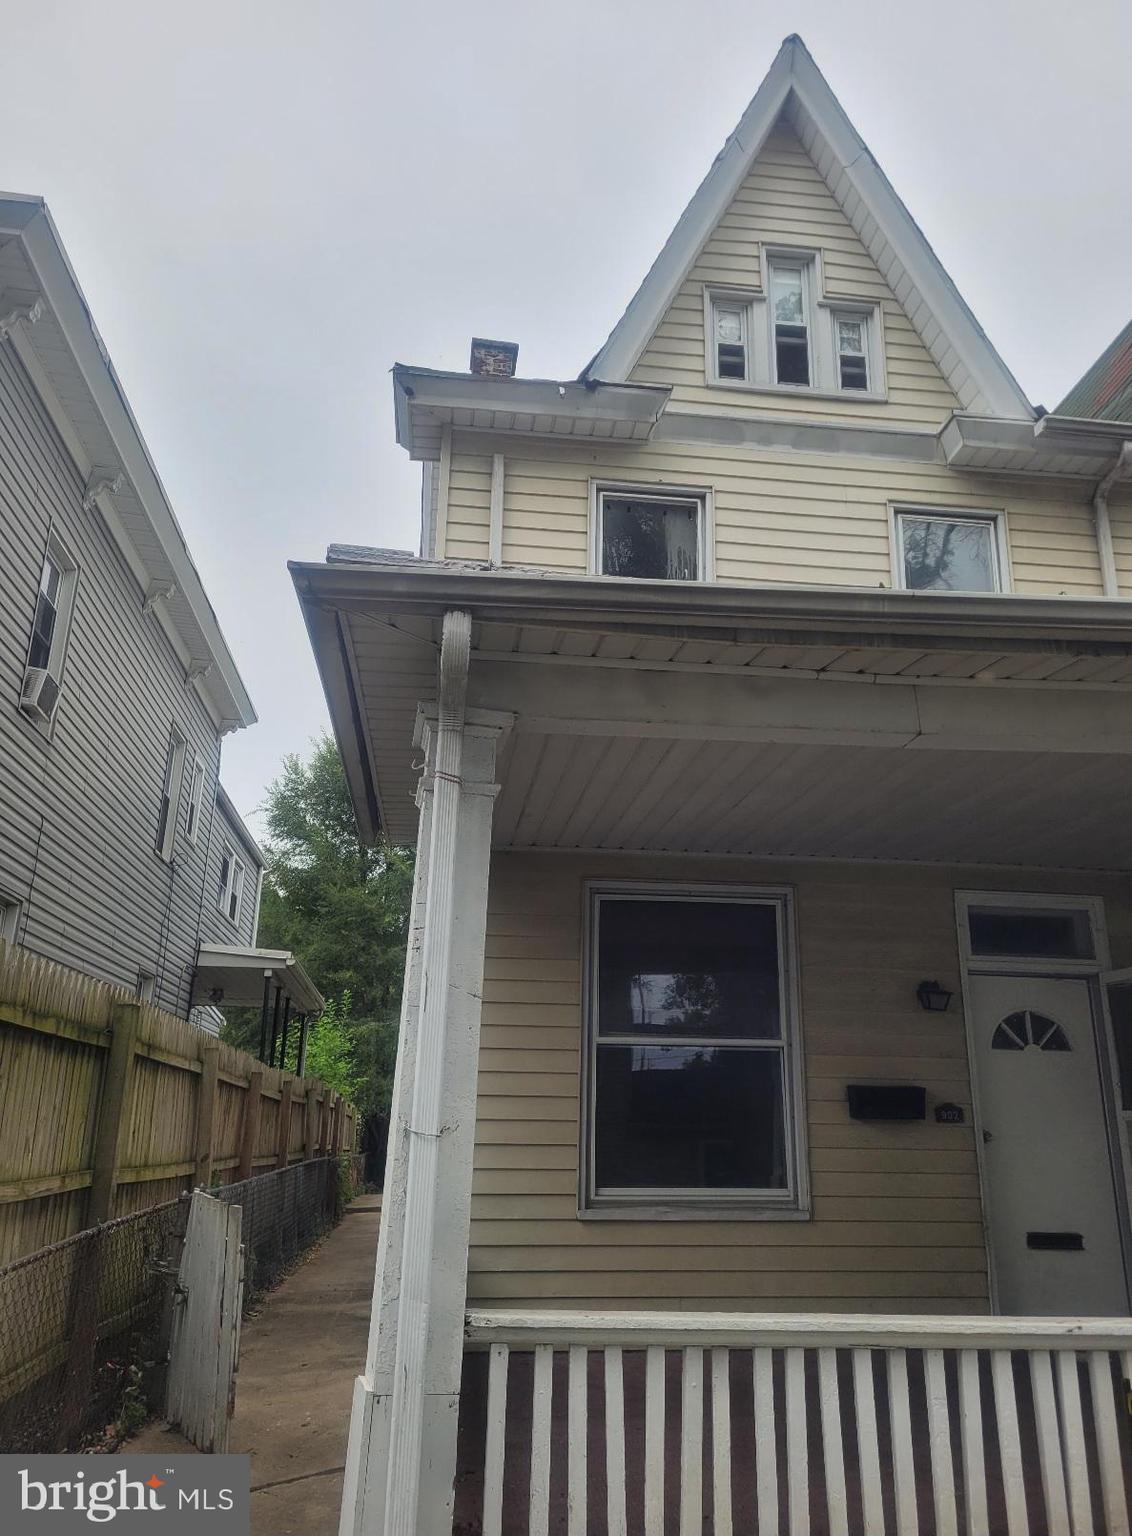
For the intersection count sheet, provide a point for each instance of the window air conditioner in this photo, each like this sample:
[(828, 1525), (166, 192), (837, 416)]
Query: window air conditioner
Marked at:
[(40, 694)]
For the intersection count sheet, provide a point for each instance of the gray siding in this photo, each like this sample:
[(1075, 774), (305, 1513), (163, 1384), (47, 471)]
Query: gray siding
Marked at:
[(79, 809)]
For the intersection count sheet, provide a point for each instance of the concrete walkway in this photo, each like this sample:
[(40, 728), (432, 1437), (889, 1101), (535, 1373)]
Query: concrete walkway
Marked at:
[(298, 1360)]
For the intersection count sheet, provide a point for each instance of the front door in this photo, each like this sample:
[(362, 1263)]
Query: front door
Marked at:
[(1051, 1211)]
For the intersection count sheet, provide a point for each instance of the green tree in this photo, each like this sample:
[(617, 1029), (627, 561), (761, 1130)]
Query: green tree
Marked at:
[(343, 908)]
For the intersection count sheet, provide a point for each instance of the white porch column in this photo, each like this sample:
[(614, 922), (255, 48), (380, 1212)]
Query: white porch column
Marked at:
[(401, 1456)]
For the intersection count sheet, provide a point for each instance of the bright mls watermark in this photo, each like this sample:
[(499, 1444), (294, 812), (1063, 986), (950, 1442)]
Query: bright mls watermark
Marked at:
[(42, 1495)]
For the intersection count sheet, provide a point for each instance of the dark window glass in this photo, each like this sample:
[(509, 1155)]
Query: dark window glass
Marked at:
[(731, 361), (854, 373), (688, 968), (658, 540), (225, 871), (46, 614), (689, 1117), (792, 354), (166, 797), (1054, 934)]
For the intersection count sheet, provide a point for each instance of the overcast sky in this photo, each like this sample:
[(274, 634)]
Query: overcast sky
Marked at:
[(269, 202)]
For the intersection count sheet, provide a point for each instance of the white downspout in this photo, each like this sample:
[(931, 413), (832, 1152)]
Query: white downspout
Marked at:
[(406, 1417), (1110, 582)]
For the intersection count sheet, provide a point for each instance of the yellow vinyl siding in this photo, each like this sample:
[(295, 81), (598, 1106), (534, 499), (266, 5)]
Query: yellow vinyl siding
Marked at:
[(469, 504), (896, 1210), (785, 201), (779, 516)]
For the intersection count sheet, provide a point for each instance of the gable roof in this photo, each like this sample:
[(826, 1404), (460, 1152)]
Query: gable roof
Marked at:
[(794, 86), (1104, 391), (45, 315)]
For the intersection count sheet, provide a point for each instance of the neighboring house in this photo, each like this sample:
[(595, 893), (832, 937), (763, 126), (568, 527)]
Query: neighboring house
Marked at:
[(1104, 391), (118, 684), (766, 699)]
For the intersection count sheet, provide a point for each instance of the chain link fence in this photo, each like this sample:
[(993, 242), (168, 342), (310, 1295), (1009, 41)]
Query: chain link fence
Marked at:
[(83, 1332), (285, 1212), (84, 1324)]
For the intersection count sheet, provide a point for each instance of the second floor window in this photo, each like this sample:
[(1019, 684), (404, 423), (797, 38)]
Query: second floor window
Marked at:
[(171, 787), (939, 552), (192, 812), (232, 876), (50, 629), (654, 537)]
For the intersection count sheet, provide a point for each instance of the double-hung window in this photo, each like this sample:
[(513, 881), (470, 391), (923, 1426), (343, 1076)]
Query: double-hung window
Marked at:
[(692, 1089), (232, 876), (172, 785), (790, 317), (654, 535), (941, 552), (732, 343), (50, 630), (851, 344), (192, 810)]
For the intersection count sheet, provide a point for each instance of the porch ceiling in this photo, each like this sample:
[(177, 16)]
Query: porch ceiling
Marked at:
[(837, 802), (771, 729)]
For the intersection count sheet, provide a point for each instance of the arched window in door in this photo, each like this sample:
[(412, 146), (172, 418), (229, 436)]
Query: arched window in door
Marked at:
[(1025, 1028)]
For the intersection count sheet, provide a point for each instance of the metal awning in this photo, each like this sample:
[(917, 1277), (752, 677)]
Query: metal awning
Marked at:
[(231, 976)]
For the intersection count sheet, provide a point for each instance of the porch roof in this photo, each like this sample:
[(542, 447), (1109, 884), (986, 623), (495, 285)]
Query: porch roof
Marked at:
[(738, 751), (237, 974)]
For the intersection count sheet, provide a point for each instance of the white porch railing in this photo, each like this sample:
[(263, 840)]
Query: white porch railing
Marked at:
[(851, 1426)]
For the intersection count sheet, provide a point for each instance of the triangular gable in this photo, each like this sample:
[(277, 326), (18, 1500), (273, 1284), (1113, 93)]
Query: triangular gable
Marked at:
[(794, 84)]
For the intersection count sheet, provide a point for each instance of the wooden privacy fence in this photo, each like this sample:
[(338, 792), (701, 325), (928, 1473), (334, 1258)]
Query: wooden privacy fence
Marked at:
[(108, 1106)]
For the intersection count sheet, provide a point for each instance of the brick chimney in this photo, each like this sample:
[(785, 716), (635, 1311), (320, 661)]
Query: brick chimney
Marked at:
[(494, 359)]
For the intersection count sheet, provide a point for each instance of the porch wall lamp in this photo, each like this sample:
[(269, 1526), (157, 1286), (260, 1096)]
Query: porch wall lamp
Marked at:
[(934, 998)]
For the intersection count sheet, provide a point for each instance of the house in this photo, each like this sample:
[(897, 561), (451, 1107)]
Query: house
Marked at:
[(1104, 391), (120, 854), (760, 705)]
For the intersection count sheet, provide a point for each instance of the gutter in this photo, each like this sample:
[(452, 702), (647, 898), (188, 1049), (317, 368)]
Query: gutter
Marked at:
[(1110, 580), (538, 598)]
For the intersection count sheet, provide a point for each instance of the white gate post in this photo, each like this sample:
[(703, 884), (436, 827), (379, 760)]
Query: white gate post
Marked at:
[(401, 1456)]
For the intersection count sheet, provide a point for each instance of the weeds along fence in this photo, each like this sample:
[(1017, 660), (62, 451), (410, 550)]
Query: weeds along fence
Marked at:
[(109, 1106), (85, 1323)]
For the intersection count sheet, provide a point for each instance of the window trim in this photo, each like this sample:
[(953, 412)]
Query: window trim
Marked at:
[(175, 759), (705, 1205), (599, 488), (753, 305), (145, 986), (995, 516), (194, 803)]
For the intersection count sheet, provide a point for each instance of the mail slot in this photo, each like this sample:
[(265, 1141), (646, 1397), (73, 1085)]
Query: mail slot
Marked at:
[(1060, 1242)]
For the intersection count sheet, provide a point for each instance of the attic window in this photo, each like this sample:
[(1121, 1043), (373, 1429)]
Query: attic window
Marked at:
[(730, 325), (790, 313), (851, 336)]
